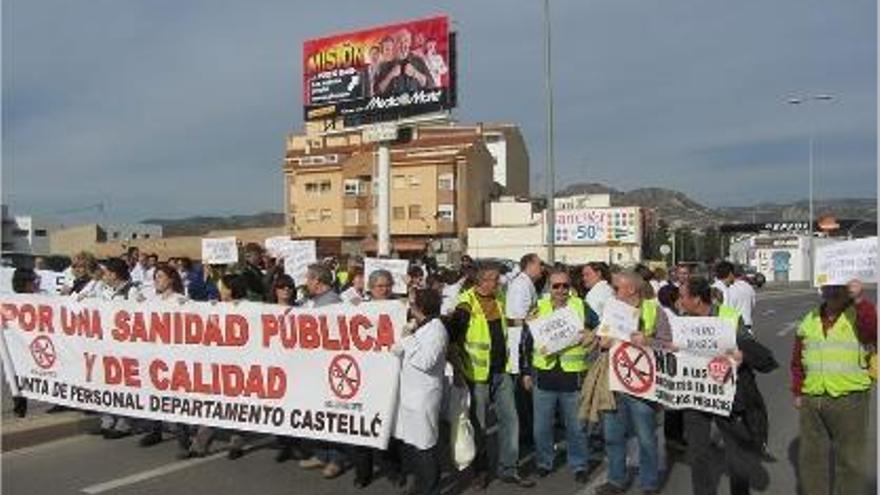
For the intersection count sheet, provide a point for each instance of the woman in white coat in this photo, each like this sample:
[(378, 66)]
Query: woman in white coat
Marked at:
[(421, 390)]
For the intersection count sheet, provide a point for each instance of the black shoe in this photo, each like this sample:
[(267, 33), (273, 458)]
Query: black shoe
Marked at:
[(234, 454), (582, 477), (766, 455), (115, 434), (518, 480), (592, 466), (609, 489), (150, 439), (361, 483), (543, 473), (481, 481), (284, 454), (189, 454), (19, 406)]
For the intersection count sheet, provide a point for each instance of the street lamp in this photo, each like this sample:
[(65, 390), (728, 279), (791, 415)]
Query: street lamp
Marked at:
[(802, 101), (550, 180)]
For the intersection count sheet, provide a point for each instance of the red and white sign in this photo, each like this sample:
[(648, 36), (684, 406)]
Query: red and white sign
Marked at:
[(324, 373), (677, 380)]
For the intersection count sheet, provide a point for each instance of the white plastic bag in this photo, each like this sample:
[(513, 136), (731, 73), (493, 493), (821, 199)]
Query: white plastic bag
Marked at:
[(461, 433)]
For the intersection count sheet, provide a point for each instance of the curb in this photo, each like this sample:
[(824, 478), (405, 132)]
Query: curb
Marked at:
[(45, 428)]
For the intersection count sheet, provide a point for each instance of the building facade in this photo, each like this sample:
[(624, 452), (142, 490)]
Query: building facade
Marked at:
[(25, 234), (442, 181)]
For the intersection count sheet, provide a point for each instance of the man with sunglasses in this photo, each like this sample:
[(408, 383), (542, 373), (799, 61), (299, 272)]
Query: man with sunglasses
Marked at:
[(555, 381)]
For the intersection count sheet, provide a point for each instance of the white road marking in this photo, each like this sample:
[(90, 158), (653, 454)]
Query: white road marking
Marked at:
[(768, 312), (152, 473), (787, 329)]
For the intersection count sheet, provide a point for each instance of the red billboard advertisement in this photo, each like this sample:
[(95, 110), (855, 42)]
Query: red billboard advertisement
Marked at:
[(379, 74)]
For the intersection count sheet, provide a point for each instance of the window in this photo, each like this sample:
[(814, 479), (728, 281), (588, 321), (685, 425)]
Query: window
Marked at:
[(134, 235), (399, 182), (414, 181), (116, 235), (311, 188), (352, 217), (352, 187), (445, 182), (146, 236), (415, 212), (398, 213), (326, 214), (20, 233), (446, 212), (312, 216), (325, 186), (40, 232)]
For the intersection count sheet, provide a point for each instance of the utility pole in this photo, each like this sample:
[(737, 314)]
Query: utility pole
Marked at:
[(550, 179)]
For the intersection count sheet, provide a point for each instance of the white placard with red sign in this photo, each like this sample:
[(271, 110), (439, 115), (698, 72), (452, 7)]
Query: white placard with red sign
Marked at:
[(709, 336), (677, 380), (325, 373), (619, 320), (219, 251), (557, 331)]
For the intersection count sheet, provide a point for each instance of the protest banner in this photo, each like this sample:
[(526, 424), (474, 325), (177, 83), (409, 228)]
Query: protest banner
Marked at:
[(677, 380), (397, 268), (325, 373), (298, 255), (219, 251), (557, 331), (619, 320), (275, 245), (841, 262), (703, 335)]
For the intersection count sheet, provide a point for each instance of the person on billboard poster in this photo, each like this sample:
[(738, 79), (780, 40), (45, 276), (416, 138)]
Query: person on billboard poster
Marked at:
[(374, 60), (407, 72), (435, 62)]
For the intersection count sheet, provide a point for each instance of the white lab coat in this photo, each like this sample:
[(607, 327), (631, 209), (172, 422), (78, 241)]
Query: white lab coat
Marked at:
[(421, 385)]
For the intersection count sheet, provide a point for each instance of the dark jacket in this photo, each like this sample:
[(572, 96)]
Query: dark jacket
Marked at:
[(748, 402)]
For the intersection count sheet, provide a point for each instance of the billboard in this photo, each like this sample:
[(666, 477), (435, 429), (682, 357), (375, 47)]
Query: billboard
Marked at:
[(597, 226), (380, 74)]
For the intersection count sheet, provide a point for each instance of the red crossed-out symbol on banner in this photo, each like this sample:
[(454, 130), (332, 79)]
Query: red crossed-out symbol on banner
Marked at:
[(43, 352), (344, 376), (719, 369), (633, 367)]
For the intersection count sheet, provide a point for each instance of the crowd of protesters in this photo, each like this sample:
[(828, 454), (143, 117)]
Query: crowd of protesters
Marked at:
[(458, 333)]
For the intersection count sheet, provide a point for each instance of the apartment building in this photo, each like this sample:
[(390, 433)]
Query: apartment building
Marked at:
[(442, 181)]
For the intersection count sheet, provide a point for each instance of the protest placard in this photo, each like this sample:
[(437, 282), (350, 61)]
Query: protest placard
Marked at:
[(703, 335), (841, 262), (557, 331), (677, 380), (219, 251), (298, 255), (619, 320), (51, 282), (514, 336), (324, 373), (397, 268), (275, 245)]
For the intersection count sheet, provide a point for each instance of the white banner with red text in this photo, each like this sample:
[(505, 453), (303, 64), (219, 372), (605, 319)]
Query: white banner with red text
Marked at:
[(323, 373), (676, 380)]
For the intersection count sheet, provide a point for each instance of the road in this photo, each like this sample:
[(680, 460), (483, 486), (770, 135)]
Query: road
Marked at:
[(90, 465)]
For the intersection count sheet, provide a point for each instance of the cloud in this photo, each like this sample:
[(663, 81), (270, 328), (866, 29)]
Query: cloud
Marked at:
[(165, 108)]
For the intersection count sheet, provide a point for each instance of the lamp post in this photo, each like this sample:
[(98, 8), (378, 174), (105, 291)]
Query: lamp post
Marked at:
[(803, 101), (550, 179)]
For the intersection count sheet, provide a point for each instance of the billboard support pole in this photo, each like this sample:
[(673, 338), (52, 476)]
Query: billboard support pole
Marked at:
[(550, 179), (384, 237)]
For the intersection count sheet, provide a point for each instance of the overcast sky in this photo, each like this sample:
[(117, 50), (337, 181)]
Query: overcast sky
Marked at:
[(169, 108)]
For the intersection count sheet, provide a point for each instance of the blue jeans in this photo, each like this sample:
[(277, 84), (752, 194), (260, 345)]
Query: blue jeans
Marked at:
[(498, 390), (545, 402), (641, 416)]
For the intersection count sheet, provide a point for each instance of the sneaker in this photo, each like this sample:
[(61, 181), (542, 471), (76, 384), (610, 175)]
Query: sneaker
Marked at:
[(582, 476), (518, 480), (311, 463), (150, 439), (331, 470), (609, 489), (543, 473)]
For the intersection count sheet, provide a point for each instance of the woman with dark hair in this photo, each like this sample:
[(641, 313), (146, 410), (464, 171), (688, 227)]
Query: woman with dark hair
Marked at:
[(283, 291), (354, 292), (421, 390)]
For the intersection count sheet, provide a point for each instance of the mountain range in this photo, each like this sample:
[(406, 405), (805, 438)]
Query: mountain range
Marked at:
[(673, 207)]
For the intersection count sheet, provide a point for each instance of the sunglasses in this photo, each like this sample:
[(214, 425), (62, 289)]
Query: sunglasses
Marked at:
[(561, 286), (284, 287)]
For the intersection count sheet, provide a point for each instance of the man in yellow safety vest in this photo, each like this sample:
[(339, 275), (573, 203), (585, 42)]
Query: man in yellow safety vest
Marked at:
[(831, 384)]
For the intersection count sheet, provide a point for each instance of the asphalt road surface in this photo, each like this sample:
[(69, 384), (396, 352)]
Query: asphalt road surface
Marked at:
[(91, 465)]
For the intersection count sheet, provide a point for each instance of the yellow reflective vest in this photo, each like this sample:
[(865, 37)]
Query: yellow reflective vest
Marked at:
[(648, 317), (573, 359), (833, 363), (478, 341)]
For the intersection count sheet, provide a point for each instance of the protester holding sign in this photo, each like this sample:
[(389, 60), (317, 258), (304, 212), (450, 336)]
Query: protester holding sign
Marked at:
[(479, 322), (831, 384), (555, 381), (632, 411), (744, 431)]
